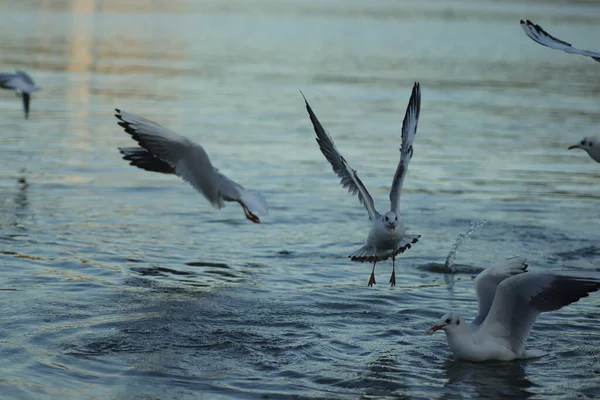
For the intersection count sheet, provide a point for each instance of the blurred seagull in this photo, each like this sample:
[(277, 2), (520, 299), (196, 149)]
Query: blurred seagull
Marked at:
[(22, 84), (387, 237), (591, 145), (167, 152), (510, 299), (537, 34)]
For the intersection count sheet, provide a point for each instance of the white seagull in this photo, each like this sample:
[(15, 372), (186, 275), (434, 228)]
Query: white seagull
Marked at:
[(387, 237), (167, 152), (22, 84), (591, 145), (537, 34), (510, 299)]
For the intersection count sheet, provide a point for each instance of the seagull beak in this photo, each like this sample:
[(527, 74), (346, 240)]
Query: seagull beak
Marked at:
[(433, 329), (575, 146), (392, 227)]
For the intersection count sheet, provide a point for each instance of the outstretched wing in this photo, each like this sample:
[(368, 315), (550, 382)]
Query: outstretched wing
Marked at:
[(521, 298), (537, 34), (409, 130), (188, 159), (348, 176), (20, 81), (488, 280)]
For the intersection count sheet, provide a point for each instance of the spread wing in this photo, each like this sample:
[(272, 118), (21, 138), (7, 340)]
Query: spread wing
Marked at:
[(187, 159), (521, 298), (348, 176), (409, 130), (488, 280), (537, 34), (20, 81)]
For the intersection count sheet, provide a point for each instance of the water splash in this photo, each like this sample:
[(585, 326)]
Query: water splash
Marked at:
[(460, 239)]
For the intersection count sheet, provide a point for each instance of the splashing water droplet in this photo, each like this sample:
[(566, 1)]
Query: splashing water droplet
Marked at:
[(460, 239)]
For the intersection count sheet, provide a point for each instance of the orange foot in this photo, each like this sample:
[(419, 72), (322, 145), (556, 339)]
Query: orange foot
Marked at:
[(372, 279), (393, 278)]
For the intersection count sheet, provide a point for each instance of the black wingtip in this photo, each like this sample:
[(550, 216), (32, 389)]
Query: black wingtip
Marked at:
[(304, 97)]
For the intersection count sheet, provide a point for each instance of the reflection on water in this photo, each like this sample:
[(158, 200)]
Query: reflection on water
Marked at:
[(122, 284), (490, 380)]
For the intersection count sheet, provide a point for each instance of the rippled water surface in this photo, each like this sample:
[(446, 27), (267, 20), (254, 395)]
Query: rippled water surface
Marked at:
[(117, 283)]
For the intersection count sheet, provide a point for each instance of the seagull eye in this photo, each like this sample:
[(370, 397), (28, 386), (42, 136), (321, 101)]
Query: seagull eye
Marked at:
[(448, 321), (590, 143), (583, 142)]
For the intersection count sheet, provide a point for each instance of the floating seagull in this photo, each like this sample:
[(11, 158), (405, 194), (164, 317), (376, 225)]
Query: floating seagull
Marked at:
[(387, 237), (537, 34), (22, 84), (510, 299), (167, 152), (591, 145)]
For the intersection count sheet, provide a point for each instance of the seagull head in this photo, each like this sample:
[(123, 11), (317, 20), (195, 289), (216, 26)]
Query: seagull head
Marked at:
[(590, 145), (449, 323), (390, 220)]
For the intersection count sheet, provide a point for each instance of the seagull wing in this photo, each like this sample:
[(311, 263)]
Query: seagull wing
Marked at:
[(488, 280), (409, 130), (20, 81), (521, 298), (188, 159), (348, 176), (5, 79), (539, 35)]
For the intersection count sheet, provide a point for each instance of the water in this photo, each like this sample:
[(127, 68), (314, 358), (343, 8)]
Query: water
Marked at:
[(460, 239), (118, 283)]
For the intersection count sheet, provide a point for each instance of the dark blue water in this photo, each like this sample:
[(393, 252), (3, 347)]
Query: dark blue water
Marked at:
[(116, 283)]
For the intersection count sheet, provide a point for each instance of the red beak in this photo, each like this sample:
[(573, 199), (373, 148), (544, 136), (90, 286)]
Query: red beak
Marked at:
[(434, 328), (575, 146)]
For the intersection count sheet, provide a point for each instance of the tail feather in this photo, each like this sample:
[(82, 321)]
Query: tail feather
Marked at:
[(141, 158), (369, 253)]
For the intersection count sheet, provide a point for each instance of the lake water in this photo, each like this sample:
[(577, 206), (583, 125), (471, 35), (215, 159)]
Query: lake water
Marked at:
[(117, 283)]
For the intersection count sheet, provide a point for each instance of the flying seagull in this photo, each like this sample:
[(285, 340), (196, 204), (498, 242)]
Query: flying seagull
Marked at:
[(591, 145), (537, 34), (167, 152), (22, 84), (510, 299), (387, 237)]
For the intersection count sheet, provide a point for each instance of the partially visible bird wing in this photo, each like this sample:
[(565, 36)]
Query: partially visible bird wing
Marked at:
[(539, 35), (521, 298), (488, 280), (188, 159), (409, 130), (348, 176)]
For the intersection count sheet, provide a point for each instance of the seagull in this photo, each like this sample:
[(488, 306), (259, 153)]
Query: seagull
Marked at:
[(591, 145), (22, 84), (537, 34), (510, 299), (167, 152), (387, 237)]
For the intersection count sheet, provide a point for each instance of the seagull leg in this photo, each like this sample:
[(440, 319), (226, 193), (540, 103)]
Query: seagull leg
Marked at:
[(393, 277), (372, 278), (252, 217)]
